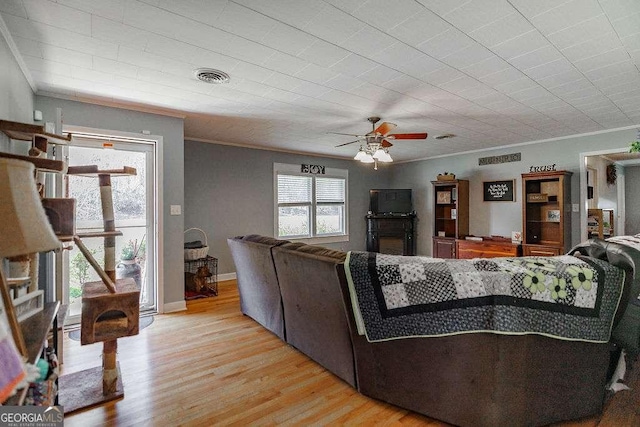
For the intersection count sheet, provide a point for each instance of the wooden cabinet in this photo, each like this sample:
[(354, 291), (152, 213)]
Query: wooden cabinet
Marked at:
[(391, 234), (540, 250), (444, 247), (488, 248), (450, 215), (546, 213)]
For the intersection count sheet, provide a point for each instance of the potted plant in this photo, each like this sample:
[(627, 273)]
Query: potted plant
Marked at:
[(129, 265), (128, 253)]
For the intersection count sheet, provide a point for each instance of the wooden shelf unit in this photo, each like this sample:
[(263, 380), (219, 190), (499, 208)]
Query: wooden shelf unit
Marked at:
[(450, 216), (546, 213), (34, 331), (600, 223)]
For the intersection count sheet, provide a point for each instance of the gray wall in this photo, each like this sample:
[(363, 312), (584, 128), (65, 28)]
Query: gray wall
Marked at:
[(632, 200), (16, 96), (172, 131), (499, 218), (229, 192)]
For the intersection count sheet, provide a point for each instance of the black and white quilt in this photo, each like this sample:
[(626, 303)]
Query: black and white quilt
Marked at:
[(631, 241), (563, 297)]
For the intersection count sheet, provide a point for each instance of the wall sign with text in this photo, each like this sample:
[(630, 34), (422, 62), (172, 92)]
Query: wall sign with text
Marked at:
[(499, 191), (313, 169)]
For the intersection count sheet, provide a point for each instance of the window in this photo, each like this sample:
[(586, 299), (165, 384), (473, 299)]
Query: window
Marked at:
[(310, 206)]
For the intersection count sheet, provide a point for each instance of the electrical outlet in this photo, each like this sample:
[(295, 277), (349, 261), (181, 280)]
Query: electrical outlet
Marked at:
[(176, 210), (575, 207)]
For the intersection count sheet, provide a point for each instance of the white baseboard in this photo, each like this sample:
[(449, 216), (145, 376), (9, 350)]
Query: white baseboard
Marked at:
[(226, 276), (172, 307)]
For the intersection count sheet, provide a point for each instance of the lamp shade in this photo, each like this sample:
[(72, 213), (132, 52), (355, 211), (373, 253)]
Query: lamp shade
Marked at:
[(378, 153), (367, 158), (24, 227), (360, 155)]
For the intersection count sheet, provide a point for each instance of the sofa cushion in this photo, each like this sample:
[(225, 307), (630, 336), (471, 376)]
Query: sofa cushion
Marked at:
[(256, 238), (315, 315), (624, 252), (339, 256), (257, 281)]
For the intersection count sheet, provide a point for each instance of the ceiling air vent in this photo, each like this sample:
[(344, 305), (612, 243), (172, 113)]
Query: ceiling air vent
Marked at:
[(445, 136), (209, 75)]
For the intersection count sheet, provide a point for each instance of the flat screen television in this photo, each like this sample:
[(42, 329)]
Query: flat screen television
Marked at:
[(388, 201)]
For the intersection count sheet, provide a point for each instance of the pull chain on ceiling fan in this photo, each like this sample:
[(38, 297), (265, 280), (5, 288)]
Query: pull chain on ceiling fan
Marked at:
[(374, 146)]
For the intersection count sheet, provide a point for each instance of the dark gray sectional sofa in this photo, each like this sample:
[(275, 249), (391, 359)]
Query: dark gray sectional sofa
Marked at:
[(299, 292)]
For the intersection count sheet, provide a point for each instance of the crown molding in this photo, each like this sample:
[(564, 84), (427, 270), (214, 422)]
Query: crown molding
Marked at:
[(520, 144), (261, 147), (115, 104)]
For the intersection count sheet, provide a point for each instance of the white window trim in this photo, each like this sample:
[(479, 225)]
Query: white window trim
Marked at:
[(292, 169)]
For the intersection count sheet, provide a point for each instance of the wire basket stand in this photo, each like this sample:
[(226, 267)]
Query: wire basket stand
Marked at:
[(200, 269)]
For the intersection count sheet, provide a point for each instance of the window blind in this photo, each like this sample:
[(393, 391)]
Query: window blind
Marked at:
[(294, 189), (330, 190)]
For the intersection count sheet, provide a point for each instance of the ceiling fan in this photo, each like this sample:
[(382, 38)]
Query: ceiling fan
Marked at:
[(374, 146)]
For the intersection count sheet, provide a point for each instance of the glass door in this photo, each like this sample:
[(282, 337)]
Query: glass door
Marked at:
[(133, 203)]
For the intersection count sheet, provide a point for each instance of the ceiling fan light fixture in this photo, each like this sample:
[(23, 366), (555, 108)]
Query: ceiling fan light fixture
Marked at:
[(360, 155), (379, 153), (385, 158), (367, 158)]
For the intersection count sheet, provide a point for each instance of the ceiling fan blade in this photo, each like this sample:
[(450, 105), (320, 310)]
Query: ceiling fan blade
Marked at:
[(409, 136), (385, 128), (386, 144), (347, 143), (348, 134)]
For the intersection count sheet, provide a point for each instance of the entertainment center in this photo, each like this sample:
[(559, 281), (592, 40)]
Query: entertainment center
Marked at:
[(391, 222)]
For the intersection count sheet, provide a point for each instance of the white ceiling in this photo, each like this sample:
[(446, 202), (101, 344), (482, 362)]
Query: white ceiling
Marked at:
[(493, 72)]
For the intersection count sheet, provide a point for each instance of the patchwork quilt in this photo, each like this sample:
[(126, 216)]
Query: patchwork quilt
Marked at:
[(631, 241), (563, 297)]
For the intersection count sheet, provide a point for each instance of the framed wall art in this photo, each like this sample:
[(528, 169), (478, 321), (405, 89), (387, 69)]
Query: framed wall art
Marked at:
[(553, 215), (443, 197), (499, 191)]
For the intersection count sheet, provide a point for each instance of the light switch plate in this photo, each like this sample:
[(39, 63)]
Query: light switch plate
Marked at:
[(176, 210), (575, 207)]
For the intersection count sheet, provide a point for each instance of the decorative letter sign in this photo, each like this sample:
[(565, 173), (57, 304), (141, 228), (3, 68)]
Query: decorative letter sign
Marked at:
[(546, 168), (312, 169), (494, 160)]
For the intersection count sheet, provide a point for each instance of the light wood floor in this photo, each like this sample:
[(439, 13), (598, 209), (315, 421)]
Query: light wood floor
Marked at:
[(211, 366)]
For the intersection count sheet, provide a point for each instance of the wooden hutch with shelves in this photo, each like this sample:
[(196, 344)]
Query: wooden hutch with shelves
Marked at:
[(450, 216), (546, 213)]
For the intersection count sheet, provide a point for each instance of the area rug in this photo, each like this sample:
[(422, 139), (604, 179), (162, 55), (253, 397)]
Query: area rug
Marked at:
[(144, 322)]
